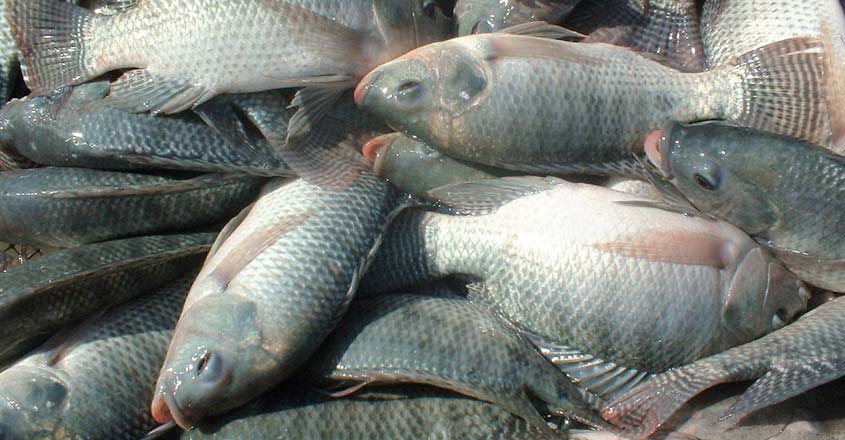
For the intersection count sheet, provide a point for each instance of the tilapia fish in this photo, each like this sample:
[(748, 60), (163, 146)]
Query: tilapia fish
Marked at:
[(447, 342), (482, 16), (74, 206), (282, 276), (610, 287), (415, 168), (78, 129), (43, 296), (325, 45), (667, 28), (790, 195), (580, 106), (734, 27), (401, 413), (783, 364), (95, 381)]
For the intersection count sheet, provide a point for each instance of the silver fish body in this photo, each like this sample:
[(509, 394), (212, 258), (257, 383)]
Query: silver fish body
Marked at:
[(95, 382), (272, 291), (41, 297), (77, 205), (482, 16)]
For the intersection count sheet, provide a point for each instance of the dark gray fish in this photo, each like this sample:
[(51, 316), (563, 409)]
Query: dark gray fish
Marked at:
[(783, 364), (77, 129), (75, 205), (280, 279), (788, 194), (407, 413), (96, 380), (415, 168), (43, 296), (448, 342), (667, 28)]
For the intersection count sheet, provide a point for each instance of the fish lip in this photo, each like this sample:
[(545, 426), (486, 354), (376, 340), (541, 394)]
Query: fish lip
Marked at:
[(166, 410), (374, 151), (657, 146), (362, 89)]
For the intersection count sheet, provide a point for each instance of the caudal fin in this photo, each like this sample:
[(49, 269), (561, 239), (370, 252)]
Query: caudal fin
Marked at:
[(641, 411), (783, 89), (49, 34)]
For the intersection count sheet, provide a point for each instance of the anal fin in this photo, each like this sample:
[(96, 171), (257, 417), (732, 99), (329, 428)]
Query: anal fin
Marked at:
[(312, 103), (141, 90)]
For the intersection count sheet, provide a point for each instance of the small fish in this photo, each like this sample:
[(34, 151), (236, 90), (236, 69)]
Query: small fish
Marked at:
[(281, 276), (783, 364), (580, 106), (41, 297), (415, 168), (76, 206), (322, 45), (78, 129), (447, 342), (94, 381), (669, 29), (785, 193), (403, 413), (611, 286), (483, 16)]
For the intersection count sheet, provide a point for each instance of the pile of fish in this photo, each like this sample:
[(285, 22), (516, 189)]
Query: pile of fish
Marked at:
[(404, 219)]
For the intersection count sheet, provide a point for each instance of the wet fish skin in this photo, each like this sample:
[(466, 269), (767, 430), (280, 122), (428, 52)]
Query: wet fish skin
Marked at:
[(80, 206), (459, 97), (483, 16), (783, 364), (784, 192), (95, 381), (398, 413), (449, 342), (270, 294), (565, 247), (416, 168), (78, 129)]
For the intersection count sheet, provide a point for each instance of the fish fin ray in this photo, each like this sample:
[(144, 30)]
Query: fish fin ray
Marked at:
[(227, 230), (140, 91), (312, 104), (518, 46), (541, 29), (114, 7), (220, 115), (487, 196), (159, 431)]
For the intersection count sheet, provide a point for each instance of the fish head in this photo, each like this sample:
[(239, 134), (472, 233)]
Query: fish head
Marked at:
[(425, 92), (409, 24), (760, 295), (380, 153), (700, 162), (32, 400), (215, 362)]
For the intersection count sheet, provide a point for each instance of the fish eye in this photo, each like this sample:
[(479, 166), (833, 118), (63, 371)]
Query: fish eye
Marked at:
[(409, 92), (704, 182), (429, 8)]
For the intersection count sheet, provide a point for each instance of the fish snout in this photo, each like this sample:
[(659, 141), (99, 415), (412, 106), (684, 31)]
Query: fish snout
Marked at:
[(363, 87), (375, 151)]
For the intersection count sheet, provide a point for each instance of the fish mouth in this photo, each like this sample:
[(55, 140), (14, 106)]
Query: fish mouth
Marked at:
[(656, 146), (165, 410), (374, 151)]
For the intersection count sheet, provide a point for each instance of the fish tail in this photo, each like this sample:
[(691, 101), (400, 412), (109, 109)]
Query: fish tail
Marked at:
[(783, 89), (641, 411), (50, 36)]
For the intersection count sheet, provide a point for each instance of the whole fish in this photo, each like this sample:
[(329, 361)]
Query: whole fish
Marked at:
[(76, 206), (276, 286), (94, 382), (78, 129), (415, 168), (667, 28), (460, 97), (447, 342), (786, 193), (734, 27), (483, 16), (403, 413), (41, 297), (325, 46), (612, 287), (783, 364)]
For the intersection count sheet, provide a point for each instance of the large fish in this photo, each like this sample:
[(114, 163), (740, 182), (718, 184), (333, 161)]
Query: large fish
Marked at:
[(407, 413), (788, 194), (734, 27), (185, 52), (447, 342), (95, 381), (43, 296), (783, 364), (482, 16), (612, 288), (580, 106), (276, 286), (76, 206), (78, 129)]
